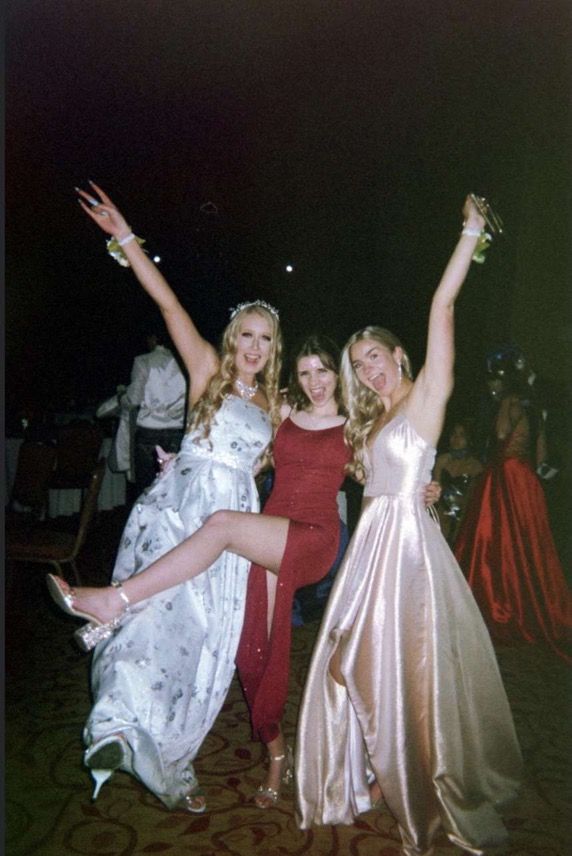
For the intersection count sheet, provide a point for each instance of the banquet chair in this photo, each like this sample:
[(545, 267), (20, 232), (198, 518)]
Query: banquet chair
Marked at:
[(34, 470), (78, 447), (48, 546)]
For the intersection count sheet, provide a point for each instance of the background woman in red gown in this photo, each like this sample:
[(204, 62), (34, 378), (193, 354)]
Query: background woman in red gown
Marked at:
[(505, 546)]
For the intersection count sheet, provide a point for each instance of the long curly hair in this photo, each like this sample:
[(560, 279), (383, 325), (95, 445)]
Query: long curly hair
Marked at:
[(221, 384), (326, 349), (363, 406)]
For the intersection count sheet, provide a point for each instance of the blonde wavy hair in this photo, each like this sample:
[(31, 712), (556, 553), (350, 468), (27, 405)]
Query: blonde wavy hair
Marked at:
[(221, 384), (363, 406)]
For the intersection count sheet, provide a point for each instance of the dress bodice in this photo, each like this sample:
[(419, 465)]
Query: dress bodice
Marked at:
[(309, 469), (399, 461), (516, 444), (240, 432)]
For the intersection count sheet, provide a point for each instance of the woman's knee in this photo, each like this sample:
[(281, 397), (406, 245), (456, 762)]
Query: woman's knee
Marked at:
[(335, 667), (219, 522)]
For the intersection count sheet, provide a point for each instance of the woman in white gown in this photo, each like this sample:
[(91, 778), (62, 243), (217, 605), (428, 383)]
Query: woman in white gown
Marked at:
[(404, 697), (160, 681)]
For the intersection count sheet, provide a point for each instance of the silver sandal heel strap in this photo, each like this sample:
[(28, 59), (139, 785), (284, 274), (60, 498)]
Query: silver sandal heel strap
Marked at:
[(121, 593)]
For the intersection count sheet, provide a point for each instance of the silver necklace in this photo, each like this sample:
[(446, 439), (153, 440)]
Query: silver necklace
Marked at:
[(244, 390)]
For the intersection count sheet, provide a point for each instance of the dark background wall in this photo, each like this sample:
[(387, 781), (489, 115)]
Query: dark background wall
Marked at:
[(339, 137)]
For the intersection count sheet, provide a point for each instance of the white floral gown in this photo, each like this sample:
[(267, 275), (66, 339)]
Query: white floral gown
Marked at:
[(162, 678)]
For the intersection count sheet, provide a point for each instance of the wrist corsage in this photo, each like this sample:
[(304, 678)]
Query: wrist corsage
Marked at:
[(115, 249)]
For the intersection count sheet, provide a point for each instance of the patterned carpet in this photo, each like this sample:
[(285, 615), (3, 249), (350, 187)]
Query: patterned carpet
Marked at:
[(49, 811)]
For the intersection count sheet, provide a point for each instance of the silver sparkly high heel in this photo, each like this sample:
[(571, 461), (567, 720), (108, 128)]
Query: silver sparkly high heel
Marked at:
[(103, 759), (194, 802), (95, 631), (264, 792)]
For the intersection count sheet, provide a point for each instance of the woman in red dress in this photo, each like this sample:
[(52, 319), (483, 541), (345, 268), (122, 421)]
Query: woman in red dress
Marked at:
[(505, 546), (310, 457)]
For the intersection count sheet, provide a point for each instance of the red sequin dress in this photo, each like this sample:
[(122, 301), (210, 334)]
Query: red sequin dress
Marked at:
[(309, 470), (506, 550)]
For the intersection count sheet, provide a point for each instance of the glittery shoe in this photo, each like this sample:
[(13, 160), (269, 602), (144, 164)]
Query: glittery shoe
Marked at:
[(194, 802), (88, 636), (266, 796)]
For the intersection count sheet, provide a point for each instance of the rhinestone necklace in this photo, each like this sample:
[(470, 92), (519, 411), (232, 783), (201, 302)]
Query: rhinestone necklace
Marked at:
[(244, 390)]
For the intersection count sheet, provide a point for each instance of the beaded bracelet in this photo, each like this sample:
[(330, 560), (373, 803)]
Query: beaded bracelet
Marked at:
[(115, 248), (126, 239)]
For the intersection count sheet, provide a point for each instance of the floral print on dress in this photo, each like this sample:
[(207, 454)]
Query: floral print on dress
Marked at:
[(162, 679)]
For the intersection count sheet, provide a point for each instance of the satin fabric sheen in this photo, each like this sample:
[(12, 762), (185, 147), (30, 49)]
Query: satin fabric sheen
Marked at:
[(424, 709), (506, 550), (162, 679), (309, 470)]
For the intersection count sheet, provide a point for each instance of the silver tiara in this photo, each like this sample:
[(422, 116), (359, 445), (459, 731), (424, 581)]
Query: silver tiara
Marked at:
[(252, 304)]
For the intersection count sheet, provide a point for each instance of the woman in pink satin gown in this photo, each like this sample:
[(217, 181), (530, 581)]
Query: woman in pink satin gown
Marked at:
[(404, 697), (505, 546)]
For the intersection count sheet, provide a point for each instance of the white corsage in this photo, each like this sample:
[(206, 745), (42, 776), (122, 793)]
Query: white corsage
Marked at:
[(115, 250)]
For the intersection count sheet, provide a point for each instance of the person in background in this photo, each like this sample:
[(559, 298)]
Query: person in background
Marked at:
[(158, 391), (505, 545), (456, 470)]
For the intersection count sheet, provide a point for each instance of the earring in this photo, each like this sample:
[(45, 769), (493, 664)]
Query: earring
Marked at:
[(399, 374)]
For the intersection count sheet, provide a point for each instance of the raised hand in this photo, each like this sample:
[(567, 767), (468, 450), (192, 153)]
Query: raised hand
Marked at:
[(472, 216), (198, 355), (103, 212), (164, 459)]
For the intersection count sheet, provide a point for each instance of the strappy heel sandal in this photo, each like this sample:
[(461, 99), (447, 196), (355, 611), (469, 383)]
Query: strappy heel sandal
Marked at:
[(104, 758), (95, 631), (271, 794), (375, 795)]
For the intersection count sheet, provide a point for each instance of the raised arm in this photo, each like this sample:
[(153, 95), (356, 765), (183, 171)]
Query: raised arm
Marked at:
[(434, 383), (198, 355)]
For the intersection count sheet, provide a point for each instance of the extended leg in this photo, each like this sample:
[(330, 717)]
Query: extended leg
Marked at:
[(335, 671), (258, 538)]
